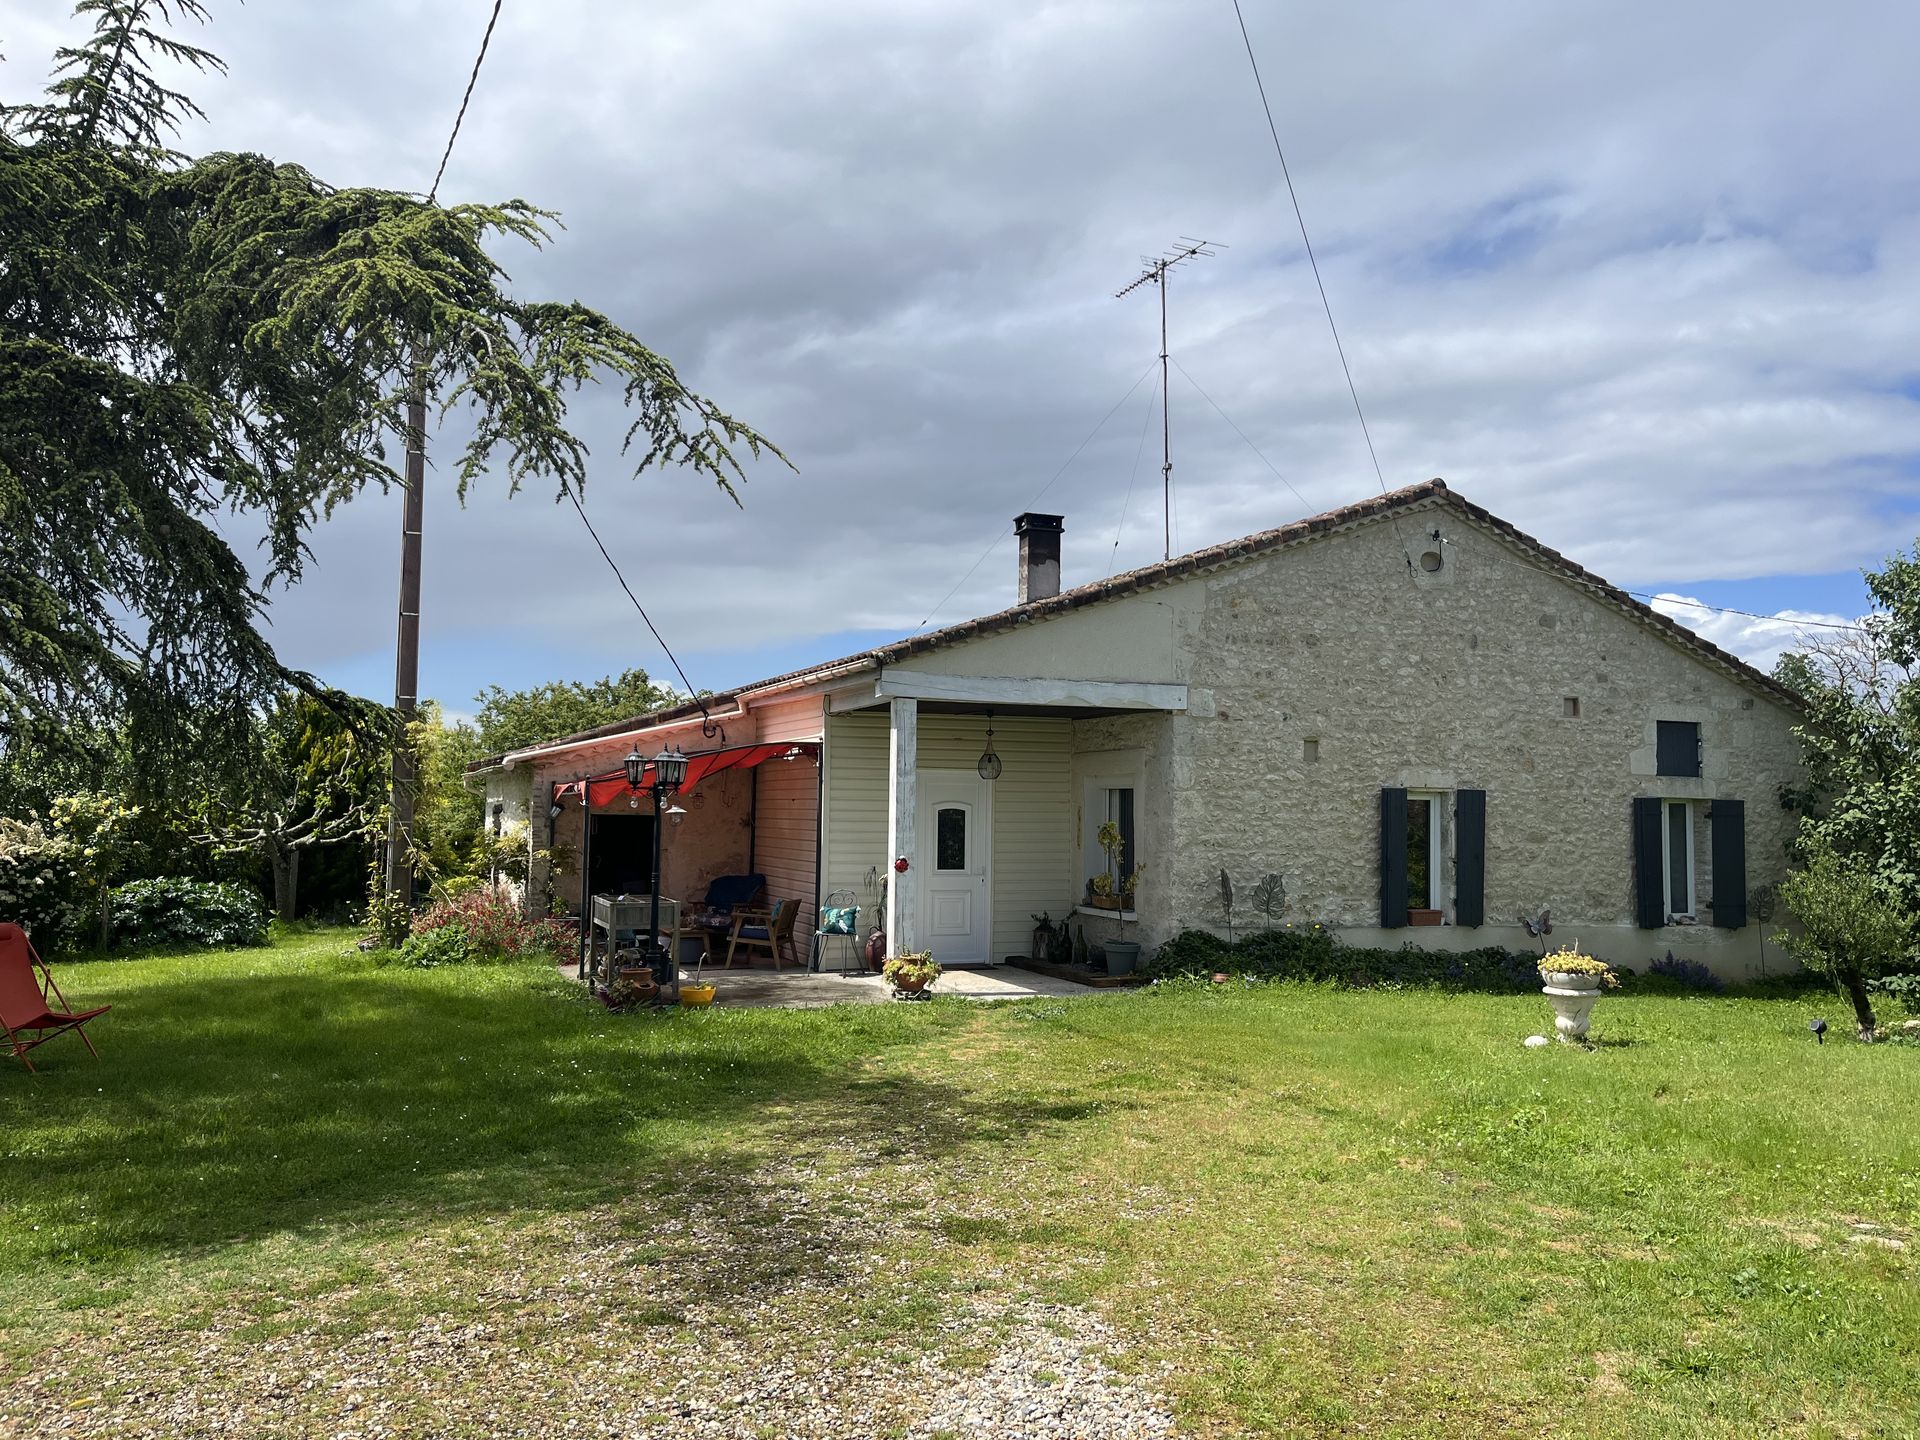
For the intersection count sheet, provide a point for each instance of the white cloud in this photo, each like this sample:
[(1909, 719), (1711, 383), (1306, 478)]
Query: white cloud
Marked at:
[(1759, 640)]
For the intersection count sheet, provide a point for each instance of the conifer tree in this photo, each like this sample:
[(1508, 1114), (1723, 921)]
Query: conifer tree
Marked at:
[(184, 336)]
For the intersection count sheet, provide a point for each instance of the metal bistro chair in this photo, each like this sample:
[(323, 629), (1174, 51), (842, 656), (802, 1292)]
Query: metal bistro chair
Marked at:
[(839, 918)]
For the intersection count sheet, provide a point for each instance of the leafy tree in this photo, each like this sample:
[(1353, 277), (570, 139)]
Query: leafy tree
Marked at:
[(102, 828), (447, 820), (313, 778), (181, 336), (513, 719), (1852, 929), (1861, 736)]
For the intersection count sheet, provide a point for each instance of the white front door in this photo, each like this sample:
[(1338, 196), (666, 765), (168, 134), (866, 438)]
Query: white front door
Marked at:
[(954, 835)]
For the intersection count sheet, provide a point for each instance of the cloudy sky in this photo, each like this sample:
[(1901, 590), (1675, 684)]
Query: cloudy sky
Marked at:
[(1644, 279)]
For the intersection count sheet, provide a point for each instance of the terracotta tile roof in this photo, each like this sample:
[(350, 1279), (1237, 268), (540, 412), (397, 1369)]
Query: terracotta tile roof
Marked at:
[(1179, 568)]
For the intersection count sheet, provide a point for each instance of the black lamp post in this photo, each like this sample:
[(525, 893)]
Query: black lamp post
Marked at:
[(669, 774)]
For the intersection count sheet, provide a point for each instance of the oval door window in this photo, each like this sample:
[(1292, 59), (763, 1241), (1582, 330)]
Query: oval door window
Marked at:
[(950, 838)]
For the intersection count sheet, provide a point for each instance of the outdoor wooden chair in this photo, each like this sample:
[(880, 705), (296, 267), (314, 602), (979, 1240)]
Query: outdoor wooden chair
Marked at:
[(768, 930), (28, 995)]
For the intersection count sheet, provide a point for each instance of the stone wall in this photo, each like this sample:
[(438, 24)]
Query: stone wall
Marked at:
[(1323, 673)]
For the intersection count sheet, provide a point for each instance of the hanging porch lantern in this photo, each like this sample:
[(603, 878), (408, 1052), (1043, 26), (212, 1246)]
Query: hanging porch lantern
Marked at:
[(989, 766)]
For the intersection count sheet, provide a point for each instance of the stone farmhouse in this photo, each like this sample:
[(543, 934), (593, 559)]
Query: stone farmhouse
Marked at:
[(1427, 722)]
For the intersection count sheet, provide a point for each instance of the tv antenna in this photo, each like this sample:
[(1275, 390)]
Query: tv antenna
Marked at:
[(1156, 274)]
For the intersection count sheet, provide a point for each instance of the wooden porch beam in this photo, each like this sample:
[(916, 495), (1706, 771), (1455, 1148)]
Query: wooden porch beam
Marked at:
[(1043, 690)]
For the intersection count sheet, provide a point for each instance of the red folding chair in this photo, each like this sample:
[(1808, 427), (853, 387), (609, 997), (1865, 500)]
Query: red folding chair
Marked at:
[(27, 994)]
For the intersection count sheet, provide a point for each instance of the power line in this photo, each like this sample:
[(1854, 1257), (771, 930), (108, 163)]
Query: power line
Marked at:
[(580, 510), (1748, 614), (478, 60), (1001, 532), (1313, 260), (1243, 435)]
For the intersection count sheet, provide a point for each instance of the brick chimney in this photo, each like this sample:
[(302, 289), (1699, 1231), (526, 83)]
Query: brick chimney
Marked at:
[(1039, 554)]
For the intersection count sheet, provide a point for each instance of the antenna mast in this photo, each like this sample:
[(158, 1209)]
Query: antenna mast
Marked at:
[(1156, 274)]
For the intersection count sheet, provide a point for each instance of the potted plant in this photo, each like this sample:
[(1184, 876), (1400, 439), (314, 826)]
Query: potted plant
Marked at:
[(624, 994), (911, 973), (1124, 954), (641, 980), (1102, 892), (697, 993), (1572, 983)]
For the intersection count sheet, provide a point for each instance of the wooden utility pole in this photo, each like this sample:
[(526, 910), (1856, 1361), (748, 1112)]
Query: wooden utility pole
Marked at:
[(406, 667)]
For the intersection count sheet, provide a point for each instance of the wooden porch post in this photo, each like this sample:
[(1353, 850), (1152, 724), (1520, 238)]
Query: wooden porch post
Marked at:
[(903, 800)]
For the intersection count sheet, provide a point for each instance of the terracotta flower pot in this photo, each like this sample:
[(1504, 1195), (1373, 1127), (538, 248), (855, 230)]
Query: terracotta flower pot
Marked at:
[(1425, 917)]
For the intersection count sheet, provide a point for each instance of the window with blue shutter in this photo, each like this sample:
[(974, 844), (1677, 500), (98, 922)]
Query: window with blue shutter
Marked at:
[(1729, 821), (1393, 858), (1649, 884), (1470, 857), (1677, 747)]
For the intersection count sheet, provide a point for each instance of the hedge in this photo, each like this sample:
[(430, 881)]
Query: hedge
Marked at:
[(1315, 954)]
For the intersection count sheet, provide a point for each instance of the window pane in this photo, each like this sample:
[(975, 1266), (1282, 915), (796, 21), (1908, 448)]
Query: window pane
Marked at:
[(1679, 870), (950, 840), (1120, 811), (1419, 853)]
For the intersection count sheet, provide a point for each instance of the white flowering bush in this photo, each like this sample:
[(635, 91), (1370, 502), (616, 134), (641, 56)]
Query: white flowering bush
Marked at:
[(43, 885)]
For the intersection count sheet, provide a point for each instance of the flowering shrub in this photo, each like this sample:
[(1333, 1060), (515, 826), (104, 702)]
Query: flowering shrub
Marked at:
[(150, 913), (495, 927), (43, 886), (1690, 973)]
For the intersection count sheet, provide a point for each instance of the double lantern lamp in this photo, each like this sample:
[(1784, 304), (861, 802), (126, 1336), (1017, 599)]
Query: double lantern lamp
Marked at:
[(669, 774)]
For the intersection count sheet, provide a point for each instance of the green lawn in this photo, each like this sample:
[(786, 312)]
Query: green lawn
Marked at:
[(1309, 1212)]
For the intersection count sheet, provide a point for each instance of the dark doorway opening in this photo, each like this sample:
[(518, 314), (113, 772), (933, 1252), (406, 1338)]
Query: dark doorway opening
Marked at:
[(622, 862)]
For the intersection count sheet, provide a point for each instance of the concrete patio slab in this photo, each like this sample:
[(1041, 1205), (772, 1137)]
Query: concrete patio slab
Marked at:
[(804, 990)]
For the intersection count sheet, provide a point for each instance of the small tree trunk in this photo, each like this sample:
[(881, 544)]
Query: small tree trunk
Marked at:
[(106, 914), (284, 864), (1856, 988)]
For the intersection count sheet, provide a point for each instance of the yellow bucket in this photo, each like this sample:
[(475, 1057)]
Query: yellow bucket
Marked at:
[(696, 995)]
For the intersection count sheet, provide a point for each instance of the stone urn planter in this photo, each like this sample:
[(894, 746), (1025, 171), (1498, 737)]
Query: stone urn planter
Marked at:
[(1572, 982)]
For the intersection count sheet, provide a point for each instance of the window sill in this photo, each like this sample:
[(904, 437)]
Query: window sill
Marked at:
[(1098, 913)]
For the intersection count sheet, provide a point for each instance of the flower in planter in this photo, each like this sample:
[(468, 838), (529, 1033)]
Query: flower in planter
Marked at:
[(914, 970), (1102, 884), (1569, 961)]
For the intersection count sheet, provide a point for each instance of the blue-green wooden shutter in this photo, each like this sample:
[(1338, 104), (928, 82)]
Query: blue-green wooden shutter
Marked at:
[(1729, 819), (1470, 857), (1676, 747), (1650, 903), (1393, 858)]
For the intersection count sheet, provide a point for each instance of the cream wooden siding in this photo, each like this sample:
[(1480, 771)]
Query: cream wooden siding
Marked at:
[(1032, 808), (799, 719), (854, 839)]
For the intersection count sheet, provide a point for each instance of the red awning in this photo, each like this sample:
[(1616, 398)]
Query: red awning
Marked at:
[(606, 789)]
